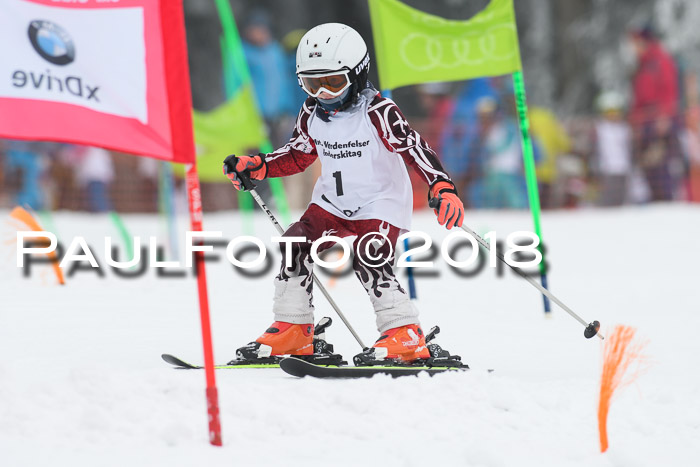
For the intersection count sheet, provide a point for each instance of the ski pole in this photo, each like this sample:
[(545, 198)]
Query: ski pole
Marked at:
[(591, 328), (248, 186)]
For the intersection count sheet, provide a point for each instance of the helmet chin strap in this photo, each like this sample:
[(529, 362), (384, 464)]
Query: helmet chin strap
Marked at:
[(335, 103)]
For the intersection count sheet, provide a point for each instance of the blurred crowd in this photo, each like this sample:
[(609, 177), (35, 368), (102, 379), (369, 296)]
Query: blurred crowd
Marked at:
[(637, 145), (54, 176), (630, 149)]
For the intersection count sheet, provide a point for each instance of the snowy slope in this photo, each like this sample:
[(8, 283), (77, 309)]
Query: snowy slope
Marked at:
[(82, 383)]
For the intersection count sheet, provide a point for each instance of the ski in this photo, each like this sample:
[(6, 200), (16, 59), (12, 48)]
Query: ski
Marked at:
[(183, 365), (300, 368)]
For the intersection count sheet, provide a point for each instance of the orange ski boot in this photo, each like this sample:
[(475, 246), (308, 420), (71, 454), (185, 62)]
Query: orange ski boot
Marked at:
[(407, 346), (405, 343), (280, 339)]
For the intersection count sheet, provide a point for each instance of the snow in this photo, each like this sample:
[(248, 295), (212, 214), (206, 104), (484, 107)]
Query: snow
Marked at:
[(82, 382)]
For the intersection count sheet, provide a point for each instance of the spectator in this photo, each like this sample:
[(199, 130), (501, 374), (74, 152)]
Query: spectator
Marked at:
[(295, 96), (690, 141), (654, 111), (554, 141), (268, 71), (500, 158), (94, 172), (24, 164), (460, 137), (438, 105), (612, 160)]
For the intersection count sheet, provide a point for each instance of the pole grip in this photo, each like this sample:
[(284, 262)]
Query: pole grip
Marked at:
[(245, 179)]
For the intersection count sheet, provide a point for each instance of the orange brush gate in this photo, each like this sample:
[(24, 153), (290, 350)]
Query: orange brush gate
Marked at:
[(621, 352)]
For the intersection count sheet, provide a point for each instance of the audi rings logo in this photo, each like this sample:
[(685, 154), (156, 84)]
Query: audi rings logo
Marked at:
[(422, 52), (52, 42)]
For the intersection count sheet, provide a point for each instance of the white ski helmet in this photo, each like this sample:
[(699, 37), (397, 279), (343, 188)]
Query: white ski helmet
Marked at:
[(332, 57)]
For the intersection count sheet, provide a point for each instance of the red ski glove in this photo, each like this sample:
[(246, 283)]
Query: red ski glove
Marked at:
[(450, 213), (252, 166)]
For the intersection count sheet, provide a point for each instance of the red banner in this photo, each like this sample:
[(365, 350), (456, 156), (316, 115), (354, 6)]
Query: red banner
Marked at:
[(109, 73)]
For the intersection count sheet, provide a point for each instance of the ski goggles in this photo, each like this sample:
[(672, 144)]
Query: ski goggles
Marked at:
[(334, 83)]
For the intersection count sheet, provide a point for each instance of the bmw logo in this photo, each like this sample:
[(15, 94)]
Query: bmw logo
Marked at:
[(52, 42)]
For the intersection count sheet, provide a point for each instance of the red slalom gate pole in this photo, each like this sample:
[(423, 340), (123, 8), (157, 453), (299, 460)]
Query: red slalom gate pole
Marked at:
[(195, 204), (180, 104)]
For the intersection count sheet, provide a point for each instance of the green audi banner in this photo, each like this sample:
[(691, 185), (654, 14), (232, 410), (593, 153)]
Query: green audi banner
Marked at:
[(413, 47)]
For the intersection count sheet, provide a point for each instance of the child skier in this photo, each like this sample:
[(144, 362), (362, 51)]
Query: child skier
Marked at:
[(363, 142)]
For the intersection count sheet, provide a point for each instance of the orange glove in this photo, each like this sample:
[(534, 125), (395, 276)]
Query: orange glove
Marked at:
[(450, 212), (252, 166)]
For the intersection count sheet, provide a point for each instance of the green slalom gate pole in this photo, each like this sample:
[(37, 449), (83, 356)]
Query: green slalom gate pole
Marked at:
[(234, 48), (530, 175), (123, 232), (46, 219), (245, 204)]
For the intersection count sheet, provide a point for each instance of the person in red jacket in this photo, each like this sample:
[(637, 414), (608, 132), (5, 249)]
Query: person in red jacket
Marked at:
[(654, 112), (364, 144)]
